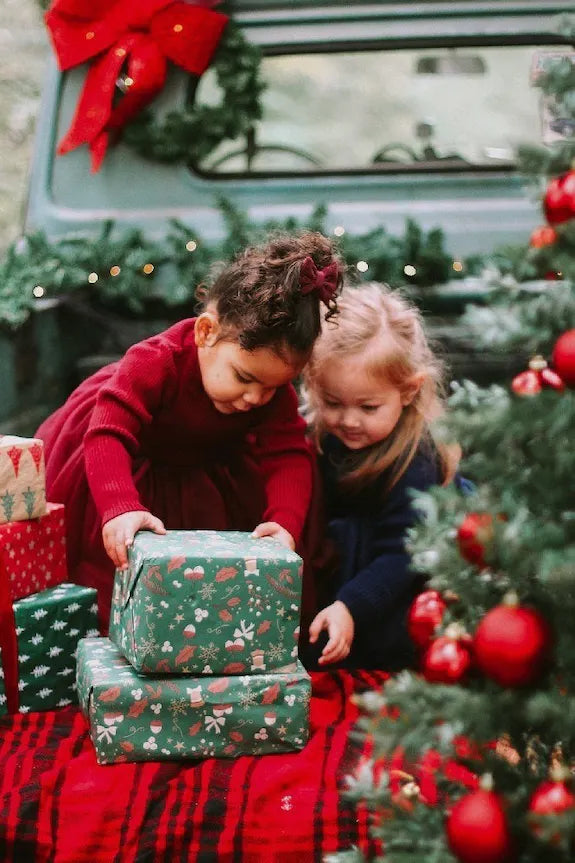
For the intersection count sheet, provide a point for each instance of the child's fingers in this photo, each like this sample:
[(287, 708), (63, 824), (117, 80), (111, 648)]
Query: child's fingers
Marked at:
[(128, 538), (276, 531), (118, 534), (334, 656), (120, 551), (318, 623), (111, 552), (337, 648), (332, 648), (113, 549), (152, 523), (266, 528)]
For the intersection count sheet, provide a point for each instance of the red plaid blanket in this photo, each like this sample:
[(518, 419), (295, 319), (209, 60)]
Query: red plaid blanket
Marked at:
[(58, 806)]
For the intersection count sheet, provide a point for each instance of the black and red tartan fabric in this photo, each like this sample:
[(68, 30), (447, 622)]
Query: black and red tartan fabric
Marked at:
[(57, 805)]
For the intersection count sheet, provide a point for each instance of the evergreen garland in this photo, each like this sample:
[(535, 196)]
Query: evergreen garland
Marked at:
[(129, 273), (189, 135)]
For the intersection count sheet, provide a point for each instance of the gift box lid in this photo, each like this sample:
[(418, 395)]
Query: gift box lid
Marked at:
[(16, 440), (52, 595), (180, 547)]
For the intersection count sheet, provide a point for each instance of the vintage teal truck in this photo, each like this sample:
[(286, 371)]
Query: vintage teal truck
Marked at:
[(379, 111)]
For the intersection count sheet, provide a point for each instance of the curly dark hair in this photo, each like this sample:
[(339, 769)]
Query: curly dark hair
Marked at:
[(258, 296)]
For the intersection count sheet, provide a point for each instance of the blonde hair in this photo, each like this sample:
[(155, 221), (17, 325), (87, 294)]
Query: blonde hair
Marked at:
[(387, 331)]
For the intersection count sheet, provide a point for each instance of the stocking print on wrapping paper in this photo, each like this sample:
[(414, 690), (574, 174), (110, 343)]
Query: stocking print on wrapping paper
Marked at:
[(134, 717), (22, 479), (208, 602)]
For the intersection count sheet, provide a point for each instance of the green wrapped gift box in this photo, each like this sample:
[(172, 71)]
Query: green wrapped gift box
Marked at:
[(207, 602), (49, 625), (137, 717)]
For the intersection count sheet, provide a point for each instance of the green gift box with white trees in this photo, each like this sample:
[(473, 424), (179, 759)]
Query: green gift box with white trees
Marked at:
[(49, 625)]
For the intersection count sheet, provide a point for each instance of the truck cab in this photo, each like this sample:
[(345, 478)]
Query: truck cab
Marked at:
[(379, 111)]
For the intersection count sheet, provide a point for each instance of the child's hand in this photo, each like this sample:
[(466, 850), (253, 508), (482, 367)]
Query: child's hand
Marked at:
[(119, 532), (272, 528), (340, 628)]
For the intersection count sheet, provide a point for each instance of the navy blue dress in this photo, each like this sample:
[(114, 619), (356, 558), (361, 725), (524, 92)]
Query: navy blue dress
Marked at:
[(373, 576)]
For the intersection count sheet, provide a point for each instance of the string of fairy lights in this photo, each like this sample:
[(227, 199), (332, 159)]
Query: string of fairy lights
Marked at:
[(191, 245), (115, 270)]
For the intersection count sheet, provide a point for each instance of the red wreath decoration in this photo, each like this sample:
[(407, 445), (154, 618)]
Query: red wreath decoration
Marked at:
[(140, 35)]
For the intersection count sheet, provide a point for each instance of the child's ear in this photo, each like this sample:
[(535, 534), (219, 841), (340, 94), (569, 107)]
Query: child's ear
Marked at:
[(411, 388), (207, 329)]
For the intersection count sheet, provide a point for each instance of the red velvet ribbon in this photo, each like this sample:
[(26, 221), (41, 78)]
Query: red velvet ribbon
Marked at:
[(323, 281), (139, 34), (8, 642)]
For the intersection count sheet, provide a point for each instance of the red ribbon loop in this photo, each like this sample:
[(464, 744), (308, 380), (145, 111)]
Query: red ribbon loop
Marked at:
[(140, 35), (323, 281)]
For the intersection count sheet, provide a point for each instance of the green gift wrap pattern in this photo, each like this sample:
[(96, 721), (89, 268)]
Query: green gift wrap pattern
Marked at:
[(208, 602), (136, 717), (49, 625)]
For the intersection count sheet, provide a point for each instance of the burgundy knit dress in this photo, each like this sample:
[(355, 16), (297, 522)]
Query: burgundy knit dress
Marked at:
[(142, 434)]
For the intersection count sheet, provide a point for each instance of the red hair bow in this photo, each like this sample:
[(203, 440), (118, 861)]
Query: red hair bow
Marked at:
[(323, 281), (144, 34)]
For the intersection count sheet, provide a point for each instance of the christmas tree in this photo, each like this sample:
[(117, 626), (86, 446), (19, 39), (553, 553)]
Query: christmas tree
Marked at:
[(473, 754)]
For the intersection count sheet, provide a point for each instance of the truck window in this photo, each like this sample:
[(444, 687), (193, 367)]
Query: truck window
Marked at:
[(407, 110)]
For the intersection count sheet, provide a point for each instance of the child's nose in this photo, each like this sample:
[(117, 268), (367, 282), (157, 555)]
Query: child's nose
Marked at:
[(349, 419), (254, 396)]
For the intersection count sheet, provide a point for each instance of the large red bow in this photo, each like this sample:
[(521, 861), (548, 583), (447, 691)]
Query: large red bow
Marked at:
[(143, 34), (323, 281)]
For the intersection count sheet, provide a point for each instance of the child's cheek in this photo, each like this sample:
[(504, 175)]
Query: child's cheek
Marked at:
[(330, 421)]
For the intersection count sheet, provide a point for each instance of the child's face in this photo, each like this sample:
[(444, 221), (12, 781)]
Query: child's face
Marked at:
[(356, 407), (237, 380)]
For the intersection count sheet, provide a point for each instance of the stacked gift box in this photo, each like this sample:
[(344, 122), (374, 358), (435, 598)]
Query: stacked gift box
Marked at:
[(201, 658), (41, 617)]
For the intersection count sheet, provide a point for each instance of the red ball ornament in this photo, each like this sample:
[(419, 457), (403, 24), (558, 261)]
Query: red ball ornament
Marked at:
[(477, 829), (512, 644), (551, 798), (559, 201), (543, 236), (447, 659), (473, 535), (425, 614), (564, 358)]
